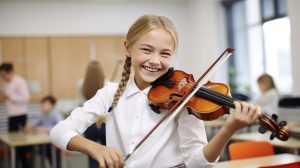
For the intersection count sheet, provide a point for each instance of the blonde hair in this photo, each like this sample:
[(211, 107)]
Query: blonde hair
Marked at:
[(93, 80), (267, 80), (140, 27)]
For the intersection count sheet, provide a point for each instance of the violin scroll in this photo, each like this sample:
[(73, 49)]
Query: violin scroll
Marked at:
[(278, 129)]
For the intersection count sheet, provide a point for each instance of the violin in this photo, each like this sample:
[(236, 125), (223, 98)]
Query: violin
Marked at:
[(210, 102), (177, 89)]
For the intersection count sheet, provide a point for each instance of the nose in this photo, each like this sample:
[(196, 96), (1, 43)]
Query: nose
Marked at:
[(154, 59)]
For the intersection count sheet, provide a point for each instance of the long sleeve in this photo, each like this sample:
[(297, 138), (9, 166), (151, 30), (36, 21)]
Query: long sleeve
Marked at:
[(269, 102), (79, 120), (192, 141), (20, 94)]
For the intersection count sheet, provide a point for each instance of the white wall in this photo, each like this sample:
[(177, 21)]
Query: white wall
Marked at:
[(294, 14), (205, 37), (61, 18)]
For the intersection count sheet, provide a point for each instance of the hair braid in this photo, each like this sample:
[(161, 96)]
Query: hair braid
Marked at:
[(120, 90), (124, 80)]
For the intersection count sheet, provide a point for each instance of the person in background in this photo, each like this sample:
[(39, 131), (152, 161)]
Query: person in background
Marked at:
[(49, 118), (93, 81), (15, 93), (269, 94)]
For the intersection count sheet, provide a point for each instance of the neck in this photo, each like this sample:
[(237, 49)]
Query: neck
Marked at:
[(141, 84)]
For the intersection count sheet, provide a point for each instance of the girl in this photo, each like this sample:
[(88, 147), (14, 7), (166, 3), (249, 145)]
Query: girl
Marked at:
[(270, 96), (150, 46)]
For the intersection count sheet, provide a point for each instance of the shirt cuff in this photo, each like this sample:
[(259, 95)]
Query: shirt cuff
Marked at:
[(61, 140), (66, 139), (197, 159)]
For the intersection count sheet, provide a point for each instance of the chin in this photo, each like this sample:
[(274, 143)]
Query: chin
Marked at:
[(149, 79)]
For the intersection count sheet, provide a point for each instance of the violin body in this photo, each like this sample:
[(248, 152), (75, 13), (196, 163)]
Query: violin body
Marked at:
[(177, 85)]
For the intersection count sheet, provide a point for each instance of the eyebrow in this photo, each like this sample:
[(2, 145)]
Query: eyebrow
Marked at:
[(153, 47)]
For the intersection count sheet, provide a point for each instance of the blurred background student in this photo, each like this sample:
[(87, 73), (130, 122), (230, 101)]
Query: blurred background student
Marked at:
[(93, 81), (270, 96), (15, 93), (49, 117)]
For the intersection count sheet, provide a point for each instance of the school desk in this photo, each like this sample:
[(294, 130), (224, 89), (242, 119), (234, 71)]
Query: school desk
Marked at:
[(292, 144), (213, 126), (19, 139), (259, 161)]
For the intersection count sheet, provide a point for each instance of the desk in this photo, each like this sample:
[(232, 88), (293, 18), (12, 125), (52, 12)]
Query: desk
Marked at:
[(259, 161), (19, 139), (292, 144), (213, 126)]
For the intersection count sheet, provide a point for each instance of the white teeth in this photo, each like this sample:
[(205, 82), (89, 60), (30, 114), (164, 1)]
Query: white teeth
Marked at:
[(151, 69)]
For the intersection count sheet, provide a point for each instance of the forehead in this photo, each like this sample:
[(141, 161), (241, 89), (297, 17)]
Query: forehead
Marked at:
[(158, 38)]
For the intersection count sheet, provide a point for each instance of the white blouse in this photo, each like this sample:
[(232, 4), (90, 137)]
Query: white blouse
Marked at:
[(269, 102), (181, 141)]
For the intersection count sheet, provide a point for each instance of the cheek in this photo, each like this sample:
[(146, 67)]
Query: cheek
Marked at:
[(166, 62)]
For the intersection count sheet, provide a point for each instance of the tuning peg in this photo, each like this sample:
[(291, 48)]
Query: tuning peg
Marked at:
[(282, 123), (262, 129), (273, 135), (275, 117)]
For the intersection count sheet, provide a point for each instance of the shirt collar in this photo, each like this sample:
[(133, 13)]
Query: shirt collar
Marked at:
[(132, 88)]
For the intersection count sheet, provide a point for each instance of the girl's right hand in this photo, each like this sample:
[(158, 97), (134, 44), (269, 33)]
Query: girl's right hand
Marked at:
[(107, 157)]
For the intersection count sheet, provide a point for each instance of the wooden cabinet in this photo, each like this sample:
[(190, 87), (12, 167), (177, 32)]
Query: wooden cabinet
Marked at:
[(30, 59), (37, 67), (111, 56), (12, 50), (54, 65), (69, 59)]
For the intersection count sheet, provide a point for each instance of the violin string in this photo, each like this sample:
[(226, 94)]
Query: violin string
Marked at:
[(216, 95), (216, 99)]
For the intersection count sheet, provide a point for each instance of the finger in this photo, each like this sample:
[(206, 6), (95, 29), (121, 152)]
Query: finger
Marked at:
[(115, 158), (121, 157), (108, 161), (252, 113), (237, 107), (245, 108), (102, 163), (257, 113)]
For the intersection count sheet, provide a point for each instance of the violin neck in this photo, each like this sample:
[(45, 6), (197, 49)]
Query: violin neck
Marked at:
[(215, 96)]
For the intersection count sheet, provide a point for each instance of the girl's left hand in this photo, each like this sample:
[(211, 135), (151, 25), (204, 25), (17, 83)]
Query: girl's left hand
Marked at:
[(245, 114)]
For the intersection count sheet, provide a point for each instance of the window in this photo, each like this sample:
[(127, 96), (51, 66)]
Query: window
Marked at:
[(260, 32)]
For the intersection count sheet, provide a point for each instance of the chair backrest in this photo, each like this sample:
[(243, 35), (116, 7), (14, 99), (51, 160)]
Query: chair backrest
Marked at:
[(248, 149)]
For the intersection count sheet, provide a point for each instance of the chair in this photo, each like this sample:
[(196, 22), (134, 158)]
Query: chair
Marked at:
[(288, 165), (248, 149)]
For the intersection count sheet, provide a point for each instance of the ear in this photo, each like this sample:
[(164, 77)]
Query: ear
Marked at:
[(126, 48)]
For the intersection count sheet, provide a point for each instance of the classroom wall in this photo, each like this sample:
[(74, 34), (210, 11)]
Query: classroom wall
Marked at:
[(194, 20), (294, 14), (200, 23), (80, 18)]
